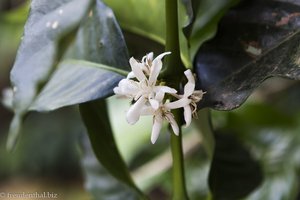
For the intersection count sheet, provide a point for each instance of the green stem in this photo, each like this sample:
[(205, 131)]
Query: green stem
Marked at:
[(179, 186), (173, 73), (173, 65)]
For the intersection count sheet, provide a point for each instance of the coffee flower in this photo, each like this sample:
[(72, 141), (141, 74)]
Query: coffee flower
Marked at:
[(189, 99), (149, 97), (144, 89)]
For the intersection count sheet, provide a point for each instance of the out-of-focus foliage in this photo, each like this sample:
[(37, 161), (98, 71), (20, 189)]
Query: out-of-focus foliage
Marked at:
[(147, 18)]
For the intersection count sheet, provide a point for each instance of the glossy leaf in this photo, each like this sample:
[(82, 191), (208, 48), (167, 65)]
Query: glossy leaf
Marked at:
[(255, 41), (95, 117), (234, 173), (47, 25), (98, 181), (97, 39)]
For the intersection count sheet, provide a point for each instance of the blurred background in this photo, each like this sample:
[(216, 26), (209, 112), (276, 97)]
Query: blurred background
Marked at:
[(259, 142)]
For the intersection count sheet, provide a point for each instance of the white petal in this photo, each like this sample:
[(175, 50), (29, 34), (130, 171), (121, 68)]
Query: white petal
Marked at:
[(159, 96), (150, 56), (173, 123), (154, 103), (134, 112), (160, 56), (154, 72), (165, 89), (127, 87), (178, 104), (157, 124), (190, 85), (187, 115), (137, 69), (130, 75), (147, 110), (156, 67)]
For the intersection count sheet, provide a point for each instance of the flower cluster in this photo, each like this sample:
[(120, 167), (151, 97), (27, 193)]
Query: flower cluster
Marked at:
[(149, 97)]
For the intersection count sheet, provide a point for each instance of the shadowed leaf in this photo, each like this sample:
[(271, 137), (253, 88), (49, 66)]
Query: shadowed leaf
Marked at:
[(95, 117), (234, 173), (255, 41)]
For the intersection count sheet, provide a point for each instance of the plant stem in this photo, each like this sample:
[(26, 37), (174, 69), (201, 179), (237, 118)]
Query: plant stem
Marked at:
[(173, 65), (173, 73), (179, 186)]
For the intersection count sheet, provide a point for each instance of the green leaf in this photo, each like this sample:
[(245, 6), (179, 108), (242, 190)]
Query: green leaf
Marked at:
[(234, 173), (207, 16), (95, 117), (47, 24), (194, 28), (271, 131), (84, 81), (255, 41), (98, 181), (98, 39), (141, 16), (38, 53)]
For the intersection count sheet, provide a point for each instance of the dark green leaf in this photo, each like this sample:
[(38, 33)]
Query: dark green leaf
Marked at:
[(255, 41), (234, 173), (207, 16), (95, 118), (271, 130), (99, 182)]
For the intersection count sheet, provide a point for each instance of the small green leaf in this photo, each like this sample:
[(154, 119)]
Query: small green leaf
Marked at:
[(234, 173), (95, 117)]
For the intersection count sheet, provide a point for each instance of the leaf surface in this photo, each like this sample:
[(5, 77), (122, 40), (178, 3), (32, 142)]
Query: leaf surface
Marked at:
[(255, 41)]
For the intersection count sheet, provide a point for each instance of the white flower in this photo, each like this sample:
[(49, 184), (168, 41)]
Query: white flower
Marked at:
[(159, 115), (144, 89), (189, 99)]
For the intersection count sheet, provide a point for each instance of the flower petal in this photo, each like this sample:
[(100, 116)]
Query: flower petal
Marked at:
[(173, 123), (159, 96), (187, 115), (190, 85), (178, 104), (157, 124), (134, 112), (165, 89), (155, 68), (137, 69), (147, 110), (130, 75), (154, 103)]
